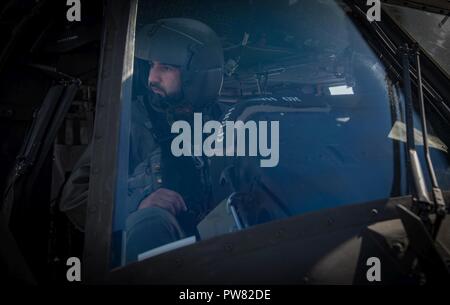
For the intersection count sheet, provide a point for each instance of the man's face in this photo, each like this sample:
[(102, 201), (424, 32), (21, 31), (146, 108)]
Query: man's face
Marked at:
[(164, 80)]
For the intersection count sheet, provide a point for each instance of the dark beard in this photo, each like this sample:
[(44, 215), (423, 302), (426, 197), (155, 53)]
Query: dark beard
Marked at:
[(165, 103), (175, 107)]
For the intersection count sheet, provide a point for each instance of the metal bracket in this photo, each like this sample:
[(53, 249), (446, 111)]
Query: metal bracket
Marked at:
[(424, 247)]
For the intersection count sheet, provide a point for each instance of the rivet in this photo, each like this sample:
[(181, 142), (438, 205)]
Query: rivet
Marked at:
[(398, 247)]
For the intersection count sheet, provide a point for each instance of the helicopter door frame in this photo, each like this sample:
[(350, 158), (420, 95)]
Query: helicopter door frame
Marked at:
[(114, 83)]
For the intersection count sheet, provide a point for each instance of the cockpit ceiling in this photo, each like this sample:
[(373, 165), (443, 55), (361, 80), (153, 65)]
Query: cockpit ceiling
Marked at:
[(434, 6), (431, 31)]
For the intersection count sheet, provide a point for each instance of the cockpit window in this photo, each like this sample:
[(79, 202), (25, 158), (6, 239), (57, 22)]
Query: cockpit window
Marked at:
[(270, 109)]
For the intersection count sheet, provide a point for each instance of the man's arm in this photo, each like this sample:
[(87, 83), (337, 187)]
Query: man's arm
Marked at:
[(165, 199)]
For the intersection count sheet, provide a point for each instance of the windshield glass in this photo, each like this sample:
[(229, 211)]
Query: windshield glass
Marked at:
[(244, 112)]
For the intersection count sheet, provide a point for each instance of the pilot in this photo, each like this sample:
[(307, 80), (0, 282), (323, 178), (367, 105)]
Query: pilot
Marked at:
[(170, 195)]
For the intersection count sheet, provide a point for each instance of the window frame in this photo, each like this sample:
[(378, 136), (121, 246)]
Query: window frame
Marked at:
[(116, 65)]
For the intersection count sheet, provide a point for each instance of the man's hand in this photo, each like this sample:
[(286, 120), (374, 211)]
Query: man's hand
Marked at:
[(165, 199)]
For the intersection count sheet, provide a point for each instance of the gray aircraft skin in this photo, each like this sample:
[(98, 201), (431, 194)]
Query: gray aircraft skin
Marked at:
[(325, 215)]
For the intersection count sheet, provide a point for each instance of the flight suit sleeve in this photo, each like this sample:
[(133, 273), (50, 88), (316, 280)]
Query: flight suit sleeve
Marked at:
[(74, 194)]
